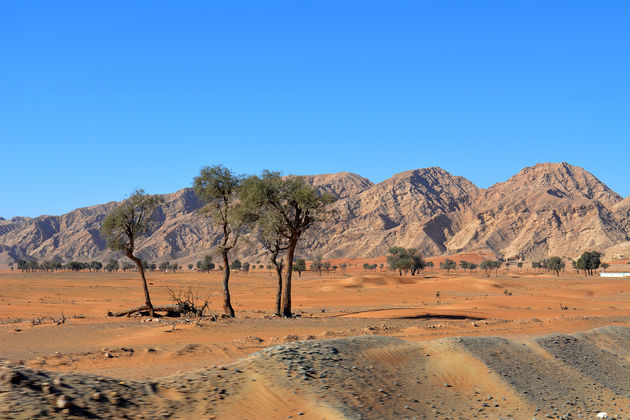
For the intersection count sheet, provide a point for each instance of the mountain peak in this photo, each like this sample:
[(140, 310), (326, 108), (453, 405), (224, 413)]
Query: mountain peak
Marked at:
[(560, 180), (340, 184)]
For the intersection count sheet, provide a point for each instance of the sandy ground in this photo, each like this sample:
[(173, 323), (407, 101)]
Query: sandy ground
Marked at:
[(516, 306)]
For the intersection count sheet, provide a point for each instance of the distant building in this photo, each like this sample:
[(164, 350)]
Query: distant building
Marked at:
[(616, 270), (614, 274)]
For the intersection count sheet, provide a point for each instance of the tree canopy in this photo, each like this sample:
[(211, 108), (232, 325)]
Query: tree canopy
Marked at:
[(448, 265), (589, 261), (555, 264), (405, 260)]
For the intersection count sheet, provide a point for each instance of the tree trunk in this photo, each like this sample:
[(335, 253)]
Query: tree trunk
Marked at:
[(227, 304), (279, 291), (286, 286), (166, 308), (147, 299)]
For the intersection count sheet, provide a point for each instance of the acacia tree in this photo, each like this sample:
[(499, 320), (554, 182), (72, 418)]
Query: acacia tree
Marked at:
[(417, 261), (276, 245), (556, 264), (399, 259), (589, 261), (218, 187), (299, 266), (294, 206), (317, 264), (448, 265), (206, 264), (343, 267), (124, 225), (486, 265)]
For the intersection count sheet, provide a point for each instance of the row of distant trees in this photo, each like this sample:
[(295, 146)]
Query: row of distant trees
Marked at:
[(400, 259), (54, 265), (588, 263), (405, 260), (112, 265)]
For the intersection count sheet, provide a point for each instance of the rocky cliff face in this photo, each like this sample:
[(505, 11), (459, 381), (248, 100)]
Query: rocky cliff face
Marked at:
[(412, 208), (551, 208), (547, 209)]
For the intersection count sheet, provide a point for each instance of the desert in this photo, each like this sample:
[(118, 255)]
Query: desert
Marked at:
[(323, 297), (323, 210), (518, 344)]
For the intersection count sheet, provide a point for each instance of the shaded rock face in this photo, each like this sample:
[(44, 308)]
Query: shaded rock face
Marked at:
[(546, 209)]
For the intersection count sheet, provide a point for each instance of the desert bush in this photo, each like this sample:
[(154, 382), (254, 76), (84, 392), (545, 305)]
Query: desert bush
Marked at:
[(189, 302)]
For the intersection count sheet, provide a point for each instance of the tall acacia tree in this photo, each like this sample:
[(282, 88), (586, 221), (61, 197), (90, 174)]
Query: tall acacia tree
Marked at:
[(293, 207), (556, 264), (276, 245), (125, 224), (219, 188)]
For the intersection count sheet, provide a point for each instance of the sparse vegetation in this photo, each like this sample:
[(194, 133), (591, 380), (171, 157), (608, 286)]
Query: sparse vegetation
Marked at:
[(236, 265), (556, 264), (448, 265), (188, 302), (405, 260), (206, 264), (127, 223), (292, 207), (489, 265), (218, 187), (317, 264), (588, 262), (299, 266)]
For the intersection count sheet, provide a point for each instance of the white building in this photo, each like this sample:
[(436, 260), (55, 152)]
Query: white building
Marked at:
[(614, 274)]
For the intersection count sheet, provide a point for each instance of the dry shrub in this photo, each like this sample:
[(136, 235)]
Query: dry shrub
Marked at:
[(189, 302)]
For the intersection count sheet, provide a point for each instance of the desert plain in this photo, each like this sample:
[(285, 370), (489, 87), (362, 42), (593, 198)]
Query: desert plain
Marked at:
[(364, 344)]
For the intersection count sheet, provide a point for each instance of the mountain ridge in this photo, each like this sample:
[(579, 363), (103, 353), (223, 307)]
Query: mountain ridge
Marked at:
[(544, 209)]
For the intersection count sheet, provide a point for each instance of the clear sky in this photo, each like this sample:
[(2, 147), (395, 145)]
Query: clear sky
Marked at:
[(100, 97)]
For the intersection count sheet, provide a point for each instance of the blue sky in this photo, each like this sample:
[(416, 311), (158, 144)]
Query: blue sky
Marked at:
[(100, 97)]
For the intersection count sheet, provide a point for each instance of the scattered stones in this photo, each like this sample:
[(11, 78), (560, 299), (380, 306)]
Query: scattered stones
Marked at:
[(62, 402), (356, 375), (11, 377)]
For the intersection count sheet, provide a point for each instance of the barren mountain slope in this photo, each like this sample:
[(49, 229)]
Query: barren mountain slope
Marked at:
[(415, 208), (622, 213), (181, 230), (551, 208), (74, 235)]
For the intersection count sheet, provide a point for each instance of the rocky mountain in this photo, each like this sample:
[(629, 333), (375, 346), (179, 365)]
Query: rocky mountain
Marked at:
[(547, 209), (413, 208), (341, 185), (550, 208)]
